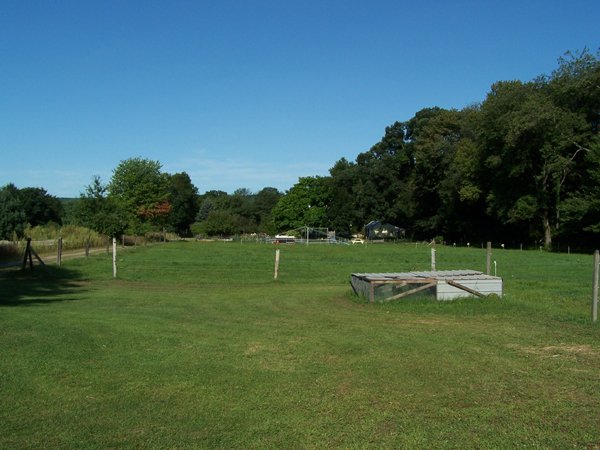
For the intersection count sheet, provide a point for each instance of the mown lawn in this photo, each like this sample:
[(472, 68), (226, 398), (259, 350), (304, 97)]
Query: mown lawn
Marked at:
[(196, 346)]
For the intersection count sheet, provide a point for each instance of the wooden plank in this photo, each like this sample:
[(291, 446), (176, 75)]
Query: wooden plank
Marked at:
[(404, 280), (465, 288), (412, 291), (37, 256)]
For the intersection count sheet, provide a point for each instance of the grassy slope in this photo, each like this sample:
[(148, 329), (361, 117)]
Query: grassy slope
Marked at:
[(196, 346)]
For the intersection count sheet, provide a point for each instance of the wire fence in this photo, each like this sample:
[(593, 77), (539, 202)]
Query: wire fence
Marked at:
[(12, 253)]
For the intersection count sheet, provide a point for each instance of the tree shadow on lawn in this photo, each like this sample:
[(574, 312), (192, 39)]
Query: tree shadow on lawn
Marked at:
[(42, 285)]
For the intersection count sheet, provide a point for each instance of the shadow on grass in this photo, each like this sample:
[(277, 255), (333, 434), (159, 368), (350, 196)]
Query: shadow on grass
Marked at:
[(43, 285)]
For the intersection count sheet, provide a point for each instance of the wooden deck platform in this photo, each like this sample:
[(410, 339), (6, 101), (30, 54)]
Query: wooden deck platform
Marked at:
[(443, 284)]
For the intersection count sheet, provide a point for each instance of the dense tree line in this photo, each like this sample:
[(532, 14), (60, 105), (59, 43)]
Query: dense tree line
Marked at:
[(27, 207), (522, 166), (242, 212), (138, 199)]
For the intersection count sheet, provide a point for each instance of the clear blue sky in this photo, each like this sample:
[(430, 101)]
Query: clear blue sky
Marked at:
[(250, 93)]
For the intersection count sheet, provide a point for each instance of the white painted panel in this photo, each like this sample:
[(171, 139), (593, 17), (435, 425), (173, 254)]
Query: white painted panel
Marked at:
[(485, 287)]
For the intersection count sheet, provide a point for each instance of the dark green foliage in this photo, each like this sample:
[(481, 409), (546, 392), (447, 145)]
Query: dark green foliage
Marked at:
[(264, 202), (40, 207), (382, 188), (242, 212), (219, 223), (141, 191), (343, 214), (305, 204), (98, 212), (33, 206), (184, 203), (521, 167), (12, 213)]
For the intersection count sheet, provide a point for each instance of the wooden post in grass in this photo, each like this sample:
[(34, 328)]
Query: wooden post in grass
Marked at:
[(29, 251), (27, 256), (276, 264), (433, 259), (595, 286), (114, 257), (488, 258), (59, 251), (87, 247)]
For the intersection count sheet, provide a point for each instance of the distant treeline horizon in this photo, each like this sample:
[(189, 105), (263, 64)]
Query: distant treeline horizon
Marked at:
[(522, 166)]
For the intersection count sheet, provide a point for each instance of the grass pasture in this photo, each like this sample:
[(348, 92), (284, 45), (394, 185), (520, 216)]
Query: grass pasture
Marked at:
[(196, 346)]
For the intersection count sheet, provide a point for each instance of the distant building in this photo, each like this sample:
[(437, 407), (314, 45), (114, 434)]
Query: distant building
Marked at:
[(376, 230)]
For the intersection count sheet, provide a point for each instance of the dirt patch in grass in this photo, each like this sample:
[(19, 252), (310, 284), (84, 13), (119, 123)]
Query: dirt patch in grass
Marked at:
[(571, 349), (554, 351)]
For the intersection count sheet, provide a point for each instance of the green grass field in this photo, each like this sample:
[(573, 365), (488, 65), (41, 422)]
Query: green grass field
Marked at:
[(196, 346)]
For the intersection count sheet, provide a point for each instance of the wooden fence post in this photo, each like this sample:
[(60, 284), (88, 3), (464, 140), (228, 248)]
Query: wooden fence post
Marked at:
[(276, 264), (114, 257), (595, 286), (87, 247), (488, 259), (433, 259), (59, 251), (27, 256)]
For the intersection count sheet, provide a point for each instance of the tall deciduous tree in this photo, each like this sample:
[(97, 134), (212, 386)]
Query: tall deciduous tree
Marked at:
[(96, 211), (305, 204), (183, 197), (241, 203), (264, 202), (445, 187), (530, 149), (140, 189), (12, 213), (433, 134), (40, 207), (575, 85), (382, 189), (344, 212)]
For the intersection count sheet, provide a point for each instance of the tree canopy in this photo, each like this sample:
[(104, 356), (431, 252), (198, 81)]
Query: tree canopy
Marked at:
[(29, 206), (141, 191), (524, 165), (183, 197), (12, 213), (98, 212)]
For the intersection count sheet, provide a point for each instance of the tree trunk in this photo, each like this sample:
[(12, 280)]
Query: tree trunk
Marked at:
[(547, 230)]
